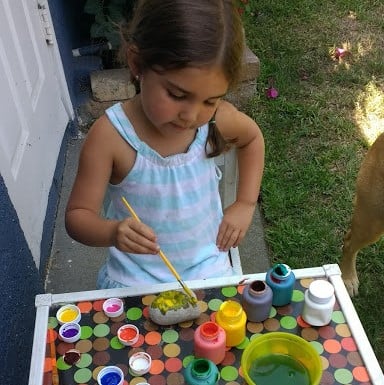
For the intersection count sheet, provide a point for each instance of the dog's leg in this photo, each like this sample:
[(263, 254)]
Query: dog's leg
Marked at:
[(364, 231)]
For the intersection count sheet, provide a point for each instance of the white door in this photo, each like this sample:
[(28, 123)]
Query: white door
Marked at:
[(34, 112)]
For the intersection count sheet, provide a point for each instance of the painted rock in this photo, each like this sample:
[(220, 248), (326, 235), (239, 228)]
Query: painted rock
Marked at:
[(171, 307)]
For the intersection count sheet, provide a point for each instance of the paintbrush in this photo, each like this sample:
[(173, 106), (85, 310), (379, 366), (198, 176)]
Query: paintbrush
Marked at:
[(188, 291), (52, 347)]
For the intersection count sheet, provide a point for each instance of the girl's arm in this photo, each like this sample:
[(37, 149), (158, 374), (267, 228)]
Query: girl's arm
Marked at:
[(102, 161), (249, 141)]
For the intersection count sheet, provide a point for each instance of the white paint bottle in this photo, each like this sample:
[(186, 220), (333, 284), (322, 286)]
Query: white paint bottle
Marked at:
[(319, 301)]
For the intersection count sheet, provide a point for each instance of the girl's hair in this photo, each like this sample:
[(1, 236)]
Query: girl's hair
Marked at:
[(174, 34)]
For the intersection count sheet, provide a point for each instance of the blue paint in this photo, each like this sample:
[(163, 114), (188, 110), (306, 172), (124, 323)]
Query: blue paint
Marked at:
[(111, 379), (70, 333)]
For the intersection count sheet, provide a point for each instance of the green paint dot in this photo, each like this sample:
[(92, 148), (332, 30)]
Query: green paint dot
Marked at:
[(61, 365), (297, 296), (343, 376), (116, 344), (82, 376), (318, 346), (273, 312), (243, 343), (229, 373), (229, 291), (288, 322), (338, 317), (134, 313), (170, 336), (85, 360), (187, 360), (101, 330), (86, 332), (253, 336), (52, 322), (214, 304)]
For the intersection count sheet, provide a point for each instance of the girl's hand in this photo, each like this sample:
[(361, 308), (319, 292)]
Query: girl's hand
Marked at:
[(135, 237), (237, 218)]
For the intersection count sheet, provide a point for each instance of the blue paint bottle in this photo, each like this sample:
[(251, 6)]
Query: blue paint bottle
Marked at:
[(281, 279)]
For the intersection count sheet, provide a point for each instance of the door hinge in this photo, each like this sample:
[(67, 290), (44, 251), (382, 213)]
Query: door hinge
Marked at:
[(45, 21)]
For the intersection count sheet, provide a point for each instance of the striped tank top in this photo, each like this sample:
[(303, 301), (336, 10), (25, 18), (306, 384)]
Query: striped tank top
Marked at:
[(178, 197)]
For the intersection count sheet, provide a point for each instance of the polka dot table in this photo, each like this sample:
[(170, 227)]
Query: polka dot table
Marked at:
[(171, 348)]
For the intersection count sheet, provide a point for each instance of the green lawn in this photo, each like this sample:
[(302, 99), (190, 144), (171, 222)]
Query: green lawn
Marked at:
[(329, 110)]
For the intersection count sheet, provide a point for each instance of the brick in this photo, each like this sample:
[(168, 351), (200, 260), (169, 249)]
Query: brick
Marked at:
[(112, 84)]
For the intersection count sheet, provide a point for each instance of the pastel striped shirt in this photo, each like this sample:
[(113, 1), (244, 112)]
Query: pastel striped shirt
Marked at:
[(178, 197)]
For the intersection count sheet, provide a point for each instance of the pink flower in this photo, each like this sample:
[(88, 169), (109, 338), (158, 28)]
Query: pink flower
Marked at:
[(340, 52), (272, 93)]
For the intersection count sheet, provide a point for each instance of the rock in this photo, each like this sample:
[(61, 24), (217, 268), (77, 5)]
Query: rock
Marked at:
[(171, 307)]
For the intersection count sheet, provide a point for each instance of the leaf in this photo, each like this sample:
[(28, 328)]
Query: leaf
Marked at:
[(93, 7)]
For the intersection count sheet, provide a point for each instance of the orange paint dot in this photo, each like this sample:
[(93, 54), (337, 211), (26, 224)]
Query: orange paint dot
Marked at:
[(302, 323), (240, 289), (348, 343), (85, 307), (153, 338), (98, 305), (51, 335), (139, 342), (332, 346), (157, 367), (361, 374), (173, 365), (48, 364), (146, 312)]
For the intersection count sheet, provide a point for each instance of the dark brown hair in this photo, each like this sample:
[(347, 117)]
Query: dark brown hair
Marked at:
[(174, 34)]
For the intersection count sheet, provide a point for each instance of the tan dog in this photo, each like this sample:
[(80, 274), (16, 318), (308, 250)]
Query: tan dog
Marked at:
[(367, 224)]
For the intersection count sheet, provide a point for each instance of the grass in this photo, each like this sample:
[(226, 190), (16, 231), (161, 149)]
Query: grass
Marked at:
[(318, 130)]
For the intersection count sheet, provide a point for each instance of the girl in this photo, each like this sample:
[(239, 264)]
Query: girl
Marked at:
[(157, 150)]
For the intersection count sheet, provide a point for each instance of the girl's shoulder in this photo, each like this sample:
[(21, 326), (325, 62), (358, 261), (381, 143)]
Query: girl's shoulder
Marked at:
[(234, 124)]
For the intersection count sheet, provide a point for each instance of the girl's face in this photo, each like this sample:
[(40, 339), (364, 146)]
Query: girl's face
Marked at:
[(183, 99)]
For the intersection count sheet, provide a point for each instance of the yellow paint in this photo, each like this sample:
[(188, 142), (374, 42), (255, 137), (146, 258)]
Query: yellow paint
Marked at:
[(68, 315)]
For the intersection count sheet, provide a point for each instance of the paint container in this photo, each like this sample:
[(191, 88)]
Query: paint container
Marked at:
[(128, 334), (113, 307), (70, 332), (201, 372), (72, 356), (257, 301), (140, 363), (209, 342), (68, 314), (319, 300), (281, 279), (110, 375), (232, 318)]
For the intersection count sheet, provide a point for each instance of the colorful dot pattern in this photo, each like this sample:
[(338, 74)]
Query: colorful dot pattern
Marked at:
[(171, 347)]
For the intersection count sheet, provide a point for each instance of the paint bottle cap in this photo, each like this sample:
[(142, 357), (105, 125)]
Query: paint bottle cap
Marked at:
[(68, 313), (70, 332), (113, 307), (140, 363), (110, 375), (128, 334)]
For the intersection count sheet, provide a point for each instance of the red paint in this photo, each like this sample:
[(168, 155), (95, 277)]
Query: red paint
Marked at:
[(127, 334)]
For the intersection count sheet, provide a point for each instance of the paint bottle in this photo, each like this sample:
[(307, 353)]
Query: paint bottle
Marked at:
[(257, 301), (201, 372), (281, 279), (209, 342), (319, 300), (232, 318)]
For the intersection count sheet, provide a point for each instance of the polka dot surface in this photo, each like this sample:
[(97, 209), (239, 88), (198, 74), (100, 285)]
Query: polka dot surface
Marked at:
[(172, 347)]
